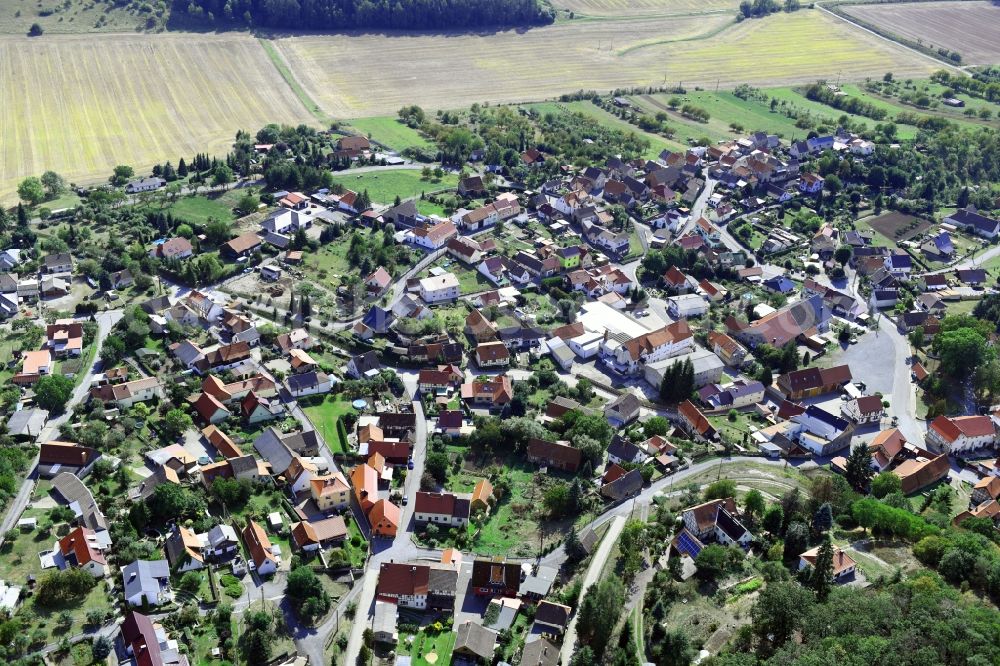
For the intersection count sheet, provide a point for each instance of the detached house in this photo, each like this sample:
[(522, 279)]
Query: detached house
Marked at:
[(695, 422), (844, 565), (559, 455), (147, 581), (441, 509), (972, 220), (866, 409), (955, 434), (492, 392), (433, 237), (492, 355), (259, 547), (717, 521), (81, 548), (439, 288)]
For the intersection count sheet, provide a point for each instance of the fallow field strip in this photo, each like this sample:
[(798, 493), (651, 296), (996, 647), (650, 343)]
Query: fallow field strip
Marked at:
[(644, 7), (82, 104), (970, 28), (456, 70)]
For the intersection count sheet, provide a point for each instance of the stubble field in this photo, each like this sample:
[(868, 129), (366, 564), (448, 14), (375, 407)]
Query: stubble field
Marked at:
[(970, 28), (455, 71), (82, 104)]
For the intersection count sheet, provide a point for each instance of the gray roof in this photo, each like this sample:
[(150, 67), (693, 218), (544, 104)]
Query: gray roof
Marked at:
[(539, 583), (476, 639), (622, 448), (80, 499), (442, 579), (270, 446), (221, 534), (27, 422), (304, 440), (307, 380), (539, 652), (623, 487), (245, 463), (143, 576), (625, 405), (365, 362)]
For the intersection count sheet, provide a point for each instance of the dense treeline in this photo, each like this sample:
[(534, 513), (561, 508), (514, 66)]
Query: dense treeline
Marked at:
[(917, 621), (341, 14), (984, 83), (819, 92)]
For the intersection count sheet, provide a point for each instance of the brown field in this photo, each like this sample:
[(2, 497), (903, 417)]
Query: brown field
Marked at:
[(82, 104), (970, 28), (354, 76), (891, 224)]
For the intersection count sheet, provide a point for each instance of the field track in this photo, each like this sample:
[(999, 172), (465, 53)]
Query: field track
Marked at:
[(970, 28), (454, 71), (82, 104)]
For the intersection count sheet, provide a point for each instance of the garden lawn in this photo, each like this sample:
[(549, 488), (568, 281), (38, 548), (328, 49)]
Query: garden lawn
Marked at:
[(324, 417), (425, 644), (732, 431), (199, 208), (391, 132), (512, 527), (356, 554), (384, 185)]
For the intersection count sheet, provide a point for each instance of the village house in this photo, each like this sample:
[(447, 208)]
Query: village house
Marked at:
[(330, 492), (441, 509), (628, 358), (811, 382), (844, 565), (241, 246), (312, 535), (559, 455), (695, 422), (957, 434), (492, 355), (128, 394), (623, 410), (261, 552), (492, 392), (432, 237), (439, 288), (972, 220), (82, 549), (729, 350), (716, 521), (177, 247), (866, 409)]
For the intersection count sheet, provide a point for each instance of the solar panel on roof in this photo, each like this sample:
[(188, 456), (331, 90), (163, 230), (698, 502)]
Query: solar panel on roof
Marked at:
[(688, 544)]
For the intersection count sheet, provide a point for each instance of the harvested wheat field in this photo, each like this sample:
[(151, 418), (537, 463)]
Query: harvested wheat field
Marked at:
[(644, 7), (969, 28), (366, 75), (80, 105)]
